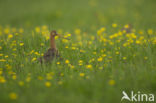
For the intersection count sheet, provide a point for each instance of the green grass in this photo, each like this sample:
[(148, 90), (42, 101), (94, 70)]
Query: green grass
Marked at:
[(128, 65)]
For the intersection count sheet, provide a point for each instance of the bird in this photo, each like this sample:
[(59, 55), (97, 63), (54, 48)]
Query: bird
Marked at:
[(128, 28), (52, 52)]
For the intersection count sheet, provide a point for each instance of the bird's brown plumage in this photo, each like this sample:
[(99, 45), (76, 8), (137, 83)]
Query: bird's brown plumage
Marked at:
[(52, 52)]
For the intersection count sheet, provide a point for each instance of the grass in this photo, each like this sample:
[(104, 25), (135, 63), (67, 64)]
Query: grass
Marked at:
[(100, 60)]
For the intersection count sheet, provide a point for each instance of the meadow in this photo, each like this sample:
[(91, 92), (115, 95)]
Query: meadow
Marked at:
[(110, 48)]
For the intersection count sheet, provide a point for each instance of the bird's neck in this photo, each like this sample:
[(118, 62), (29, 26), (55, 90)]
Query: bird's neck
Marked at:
[(52, 42)]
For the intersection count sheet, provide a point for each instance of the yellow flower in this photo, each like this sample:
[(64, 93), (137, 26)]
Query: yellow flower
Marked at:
[(58, 63), (124, 58), (21, 44), (82, 51), (6, 30), (47, 84), (21, 30), (47, 38), (114, 25), (100, 68), (82, 74), (80, 62), (103, 29), (34, 59), (6, 56), (104, 55), (1, 72), (2, 79), (71, 66), (73, 48), (67, 61), (125, 44), (49, 76), (2, 60), (13, 96), (40, 78), (36, 53), (42, 44), (66, 47), (60, 82), (62, 74), (14, 77), (111, 82), (94, 52), (145, 58), (56, 37), (16, 33), (89, 42), (111, 43), (126, 26), (77, 31), (10, 36), (37, 29), (100, 59), (20, 83), (141, 32), (89, 66), (87, 77), (68, 35), (10, 72), (32, 52), (0, 48), (64, 40), (60, 31), (8, 66), (117, 52), (42, 54), (28, 79), (150, 31), (137, 42), (133, 35), (44, 27)]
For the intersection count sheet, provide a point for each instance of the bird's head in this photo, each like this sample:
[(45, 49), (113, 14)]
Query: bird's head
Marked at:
[(53, 33)]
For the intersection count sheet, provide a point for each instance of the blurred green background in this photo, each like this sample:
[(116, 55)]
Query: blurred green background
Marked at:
[(68, 14)]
